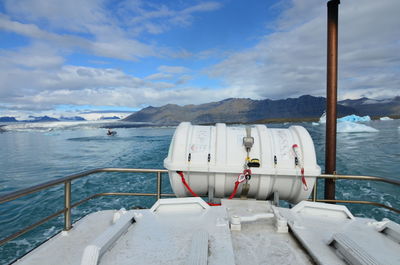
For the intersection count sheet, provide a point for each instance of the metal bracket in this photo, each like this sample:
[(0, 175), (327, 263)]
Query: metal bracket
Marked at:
[(276, 199), (248, 141), (245, 191)]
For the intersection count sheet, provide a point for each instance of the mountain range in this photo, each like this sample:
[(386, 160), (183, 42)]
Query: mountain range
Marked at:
[(242, 110), (245, 110), (374, 107), (52, 119)]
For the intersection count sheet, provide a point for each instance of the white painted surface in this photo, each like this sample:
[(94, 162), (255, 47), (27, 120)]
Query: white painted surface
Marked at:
[(103, 242), (389, 229), (165, 236), (68, 247), (181, 205), (188, 231), (198, 253), (217, 156), (333, 236), (258, 242), (322, 210)]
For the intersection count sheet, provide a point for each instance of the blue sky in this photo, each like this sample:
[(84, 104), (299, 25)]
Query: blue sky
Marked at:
[(124, 55)]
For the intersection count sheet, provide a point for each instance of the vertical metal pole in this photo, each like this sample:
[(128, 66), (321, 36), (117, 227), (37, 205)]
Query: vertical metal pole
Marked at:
[(331, 99), (67, 205), (314, 192), (158, 185)]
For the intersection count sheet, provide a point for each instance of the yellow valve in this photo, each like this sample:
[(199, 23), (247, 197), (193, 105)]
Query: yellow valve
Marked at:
[(255, 162)]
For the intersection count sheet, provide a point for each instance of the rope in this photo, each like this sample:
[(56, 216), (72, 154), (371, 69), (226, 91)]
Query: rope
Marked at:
[(194, 194), (303, 178), (234, 190), (241, 178)]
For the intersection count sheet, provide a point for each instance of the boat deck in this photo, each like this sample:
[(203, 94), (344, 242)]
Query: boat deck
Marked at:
[(188, 231)]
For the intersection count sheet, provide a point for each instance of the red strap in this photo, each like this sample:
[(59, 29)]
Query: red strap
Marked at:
[(234, 190), (194, 194), (247, 172), (214, 204), (303, 179)]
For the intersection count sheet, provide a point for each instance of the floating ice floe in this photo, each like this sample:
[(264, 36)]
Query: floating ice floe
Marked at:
[(350, 127), (315, 123), (385, 119), (52, 126), (322, 119), (350, 118), (355, 118)]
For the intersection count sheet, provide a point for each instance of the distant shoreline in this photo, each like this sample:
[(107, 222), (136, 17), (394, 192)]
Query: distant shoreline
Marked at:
[(128, 124), (283, 120)]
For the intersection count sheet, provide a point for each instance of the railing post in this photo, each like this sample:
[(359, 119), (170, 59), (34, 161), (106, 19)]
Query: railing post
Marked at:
[(158, 185), (67, 205), (314, 192)]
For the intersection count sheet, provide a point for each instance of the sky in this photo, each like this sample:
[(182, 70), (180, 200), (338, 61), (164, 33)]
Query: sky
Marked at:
[(60, 56)]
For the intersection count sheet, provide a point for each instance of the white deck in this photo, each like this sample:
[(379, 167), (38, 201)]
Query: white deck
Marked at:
[(187, 231)]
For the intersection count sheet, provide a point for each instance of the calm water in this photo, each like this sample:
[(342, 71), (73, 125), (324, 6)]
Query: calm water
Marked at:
[(34, 156)]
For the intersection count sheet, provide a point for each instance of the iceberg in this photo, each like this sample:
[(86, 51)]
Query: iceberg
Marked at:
[(350, 118), (385, 119), (355, 118), (352, 127), (315, 123), (55, 125), (322, 119)]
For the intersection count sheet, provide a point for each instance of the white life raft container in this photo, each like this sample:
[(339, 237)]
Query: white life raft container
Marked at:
[(212, 157)]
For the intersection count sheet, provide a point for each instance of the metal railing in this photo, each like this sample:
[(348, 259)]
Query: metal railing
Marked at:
[(335, 177), (68, 204), (67, 195)]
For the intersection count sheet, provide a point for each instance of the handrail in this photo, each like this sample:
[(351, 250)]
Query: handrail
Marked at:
[(20, 193), (338, 176), (67, 193), (354, 177)]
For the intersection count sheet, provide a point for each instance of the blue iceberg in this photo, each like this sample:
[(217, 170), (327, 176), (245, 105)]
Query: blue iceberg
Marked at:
[(348, 124), (349, 118), (355, 118), (352, 127)]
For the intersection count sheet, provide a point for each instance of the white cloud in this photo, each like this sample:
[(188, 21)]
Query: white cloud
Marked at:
[(38, 55), (121, 96), (156, 19), (292, 61), (159, 76), (91, 25), (115, 46), (173, 74), (287, 63), (72, 15), (183, 79), (34, 32), (37, 77), (173, 69), (45, 88)]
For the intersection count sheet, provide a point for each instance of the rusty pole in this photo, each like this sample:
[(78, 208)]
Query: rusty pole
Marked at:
[(331, 97)]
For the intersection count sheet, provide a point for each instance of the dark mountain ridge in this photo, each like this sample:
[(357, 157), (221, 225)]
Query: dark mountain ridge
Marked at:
[(241, 110), (7, 119), (374, 107)]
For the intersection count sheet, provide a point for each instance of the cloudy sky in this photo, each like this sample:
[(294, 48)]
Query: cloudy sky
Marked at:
[(124, 55)]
